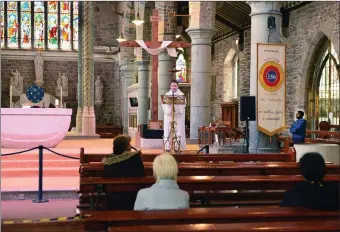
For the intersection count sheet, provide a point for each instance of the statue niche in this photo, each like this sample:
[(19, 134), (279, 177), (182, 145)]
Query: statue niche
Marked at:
[(17, 83), (62, 82)]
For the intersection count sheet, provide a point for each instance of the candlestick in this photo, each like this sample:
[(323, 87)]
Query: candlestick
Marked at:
[(56, 103), (61, 97), (10, 96)]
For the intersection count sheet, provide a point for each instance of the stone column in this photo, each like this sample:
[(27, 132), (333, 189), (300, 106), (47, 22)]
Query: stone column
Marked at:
[(127, 71), (165, 62), (260, 11), (80, 69), (201, 31), (89, 118), (166, 32), (143, 91)]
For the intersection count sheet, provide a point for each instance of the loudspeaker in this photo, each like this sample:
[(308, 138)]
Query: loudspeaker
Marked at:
[(247, 108)]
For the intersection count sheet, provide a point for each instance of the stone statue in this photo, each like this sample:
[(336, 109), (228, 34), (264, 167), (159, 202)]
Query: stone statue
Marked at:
[(39, 69), (62, 82), (98, 91), (17, 83)]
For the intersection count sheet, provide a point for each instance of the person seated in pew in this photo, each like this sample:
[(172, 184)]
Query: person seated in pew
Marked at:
[(298, 129), (165, 193), (122, 163), (313, 193)]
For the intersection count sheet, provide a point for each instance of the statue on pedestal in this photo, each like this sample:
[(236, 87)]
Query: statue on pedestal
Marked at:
[(62, 82), (39, 69), (17, 83), (98, 92)]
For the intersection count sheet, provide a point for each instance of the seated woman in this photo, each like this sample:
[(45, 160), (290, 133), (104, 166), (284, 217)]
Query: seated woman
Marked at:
[(313, 193), (122, 163), (165, 193)]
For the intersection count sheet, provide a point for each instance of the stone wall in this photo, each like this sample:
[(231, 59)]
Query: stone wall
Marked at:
[(307, 26), (109, 112), (221, 50)]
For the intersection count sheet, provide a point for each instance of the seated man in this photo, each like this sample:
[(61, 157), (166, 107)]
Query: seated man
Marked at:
[(122, 163), (312, 192), (165, 193), (298, 129)]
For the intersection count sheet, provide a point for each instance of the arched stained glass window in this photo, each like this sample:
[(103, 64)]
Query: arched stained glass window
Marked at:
[(181, 76), (51, 25), (329, 93)]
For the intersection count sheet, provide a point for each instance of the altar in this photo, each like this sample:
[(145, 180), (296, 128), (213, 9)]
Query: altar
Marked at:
[(24, 128), (330, 152)]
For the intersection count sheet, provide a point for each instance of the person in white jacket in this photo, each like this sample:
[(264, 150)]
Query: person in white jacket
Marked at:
[(179, 117), (165, 193)]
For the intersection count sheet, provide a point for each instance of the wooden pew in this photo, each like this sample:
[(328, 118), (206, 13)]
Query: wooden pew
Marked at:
[(299, 226), (217, 169), (102, 219), (52, 226), (264, 189), (279, 157)]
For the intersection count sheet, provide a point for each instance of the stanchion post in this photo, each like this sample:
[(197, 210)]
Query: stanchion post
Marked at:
[(40, 190), (207, 149)]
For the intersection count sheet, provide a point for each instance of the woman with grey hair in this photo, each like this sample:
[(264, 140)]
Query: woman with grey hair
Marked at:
[(165, 193)]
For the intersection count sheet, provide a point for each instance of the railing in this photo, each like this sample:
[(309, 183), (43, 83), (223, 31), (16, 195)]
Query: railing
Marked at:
[(41, 155)]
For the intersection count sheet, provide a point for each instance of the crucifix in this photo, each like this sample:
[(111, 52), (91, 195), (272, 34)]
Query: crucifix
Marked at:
[(154, 43)]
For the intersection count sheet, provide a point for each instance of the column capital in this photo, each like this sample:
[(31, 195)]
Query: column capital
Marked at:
[(265, 7), (200, 35)]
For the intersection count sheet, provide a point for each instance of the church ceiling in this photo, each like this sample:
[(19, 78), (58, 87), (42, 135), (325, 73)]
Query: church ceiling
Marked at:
[(233, 17)]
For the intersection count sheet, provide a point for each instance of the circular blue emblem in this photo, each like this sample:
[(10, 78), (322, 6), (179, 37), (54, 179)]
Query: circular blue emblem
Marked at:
[(35, 93), (271, 76)]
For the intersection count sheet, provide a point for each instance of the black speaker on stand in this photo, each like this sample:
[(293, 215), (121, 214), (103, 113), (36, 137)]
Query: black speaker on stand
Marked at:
[(247, 113)]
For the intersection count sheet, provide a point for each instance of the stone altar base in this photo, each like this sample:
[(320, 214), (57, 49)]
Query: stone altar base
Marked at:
[(330, 152)]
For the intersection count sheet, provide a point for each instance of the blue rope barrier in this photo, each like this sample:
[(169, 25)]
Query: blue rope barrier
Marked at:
[(19, 152), (66, 156)]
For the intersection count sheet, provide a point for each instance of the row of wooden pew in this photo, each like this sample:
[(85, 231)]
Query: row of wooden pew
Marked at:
[(237, 179)]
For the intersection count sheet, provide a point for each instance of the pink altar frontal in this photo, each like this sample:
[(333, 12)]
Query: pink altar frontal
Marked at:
[(31, 127)]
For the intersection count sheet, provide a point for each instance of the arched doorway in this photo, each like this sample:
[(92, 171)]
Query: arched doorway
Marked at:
[(324, 92)]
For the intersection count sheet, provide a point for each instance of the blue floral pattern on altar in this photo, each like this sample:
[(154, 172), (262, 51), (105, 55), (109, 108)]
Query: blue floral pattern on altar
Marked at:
[(35, 93)]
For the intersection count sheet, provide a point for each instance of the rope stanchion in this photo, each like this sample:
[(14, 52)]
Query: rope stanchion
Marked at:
[(66, 156), (206, 148), (19, 152), (40, 191)]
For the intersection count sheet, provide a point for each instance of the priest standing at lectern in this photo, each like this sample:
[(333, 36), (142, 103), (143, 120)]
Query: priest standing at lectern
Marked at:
[(179, 117)]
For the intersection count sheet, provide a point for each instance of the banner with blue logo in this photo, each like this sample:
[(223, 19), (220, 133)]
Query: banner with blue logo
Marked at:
[(271, 88)]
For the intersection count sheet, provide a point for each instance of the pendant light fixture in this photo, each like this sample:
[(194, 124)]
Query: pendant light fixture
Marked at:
[(138, 20)]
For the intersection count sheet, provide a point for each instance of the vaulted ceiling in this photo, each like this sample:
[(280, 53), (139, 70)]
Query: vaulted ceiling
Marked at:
[(232, 17)]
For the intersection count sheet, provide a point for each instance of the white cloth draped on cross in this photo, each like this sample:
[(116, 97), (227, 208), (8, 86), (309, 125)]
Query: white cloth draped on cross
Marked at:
[(155, 51)]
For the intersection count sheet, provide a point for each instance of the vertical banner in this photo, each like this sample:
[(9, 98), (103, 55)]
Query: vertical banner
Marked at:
[(271, 88)]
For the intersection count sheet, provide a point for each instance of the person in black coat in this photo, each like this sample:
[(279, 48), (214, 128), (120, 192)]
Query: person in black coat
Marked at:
[(313, 193), (122, 163)]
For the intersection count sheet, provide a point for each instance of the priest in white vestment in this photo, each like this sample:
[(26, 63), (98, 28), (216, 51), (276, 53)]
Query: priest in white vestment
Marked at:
[(179, 117)]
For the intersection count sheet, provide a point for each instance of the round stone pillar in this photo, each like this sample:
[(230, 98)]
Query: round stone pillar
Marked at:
[(260, 33), (200, 93), (143, 92), (165, 62), (127, 71)]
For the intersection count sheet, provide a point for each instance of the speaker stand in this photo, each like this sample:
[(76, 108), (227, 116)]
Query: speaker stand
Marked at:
[(247, 135)]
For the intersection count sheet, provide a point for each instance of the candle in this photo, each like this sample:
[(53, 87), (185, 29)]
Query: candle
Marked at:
[(56, 102), (10, 96), (61, 97)]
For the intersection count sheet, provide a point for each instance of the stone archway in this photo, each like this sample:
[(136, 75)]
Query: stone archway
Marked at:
[(228, 72)]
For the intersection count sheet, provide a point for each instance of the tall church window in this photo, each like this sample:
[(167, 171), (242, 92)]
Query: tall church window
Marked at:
[(235, 77), (329, 93), (45, 25), (181, 66)]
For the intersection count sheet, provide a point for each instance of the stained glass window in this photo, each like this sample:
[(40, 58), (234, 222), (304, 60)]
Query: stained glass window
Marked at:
[(2, 22), (52, 24), (65, 27), (25, 24), (39, 24), (75, 25), (12, 24), (181, 76)]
